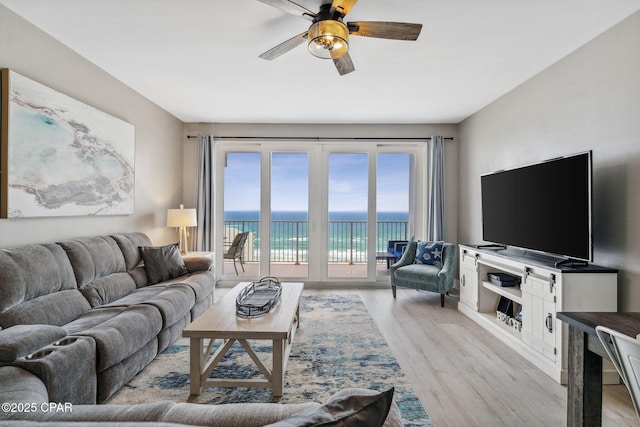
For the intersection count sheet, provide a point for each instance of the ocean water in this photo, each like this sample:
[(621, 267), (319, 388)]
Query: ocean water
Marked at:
[(289, 234), (302, 216)]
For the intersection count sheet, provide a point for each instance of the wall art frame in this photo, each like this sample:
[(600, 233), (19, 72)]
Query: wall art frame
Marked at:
[(60, 156)]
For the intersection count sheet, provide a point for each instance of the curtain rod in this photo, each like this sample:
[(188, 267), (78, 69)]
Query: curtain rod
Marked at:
[(307, 138)]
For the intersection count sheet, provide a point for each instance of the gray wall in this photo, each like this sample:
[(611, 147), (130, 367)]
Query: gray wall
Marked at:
[(590, 100), (158, 151)]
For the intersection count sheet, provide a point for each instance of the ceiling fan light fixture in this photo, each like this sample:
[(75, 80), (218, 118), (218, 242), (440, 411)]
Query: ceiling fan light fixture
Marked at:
[(328, 39)]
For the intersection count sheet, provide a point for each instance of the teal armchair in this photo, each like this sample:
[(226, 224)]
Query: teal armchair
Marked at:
[(406, 273)]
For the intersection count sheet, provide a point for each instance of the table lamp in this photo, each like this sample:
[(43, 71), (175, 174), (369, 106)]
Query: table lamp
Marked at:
[(182, 218)]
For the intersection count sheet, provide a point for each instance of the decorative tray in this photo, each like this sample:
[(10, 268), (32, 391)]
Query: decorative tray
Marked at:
[(258, 298)]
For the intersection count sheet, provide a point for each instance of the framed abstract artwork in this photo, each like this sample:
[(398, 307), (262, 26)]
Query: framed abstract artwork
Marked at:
[(61, 157)]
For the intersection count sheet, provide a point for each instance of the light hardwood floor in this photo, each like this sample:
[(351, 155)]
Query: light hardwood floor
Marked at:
[(466, 377)]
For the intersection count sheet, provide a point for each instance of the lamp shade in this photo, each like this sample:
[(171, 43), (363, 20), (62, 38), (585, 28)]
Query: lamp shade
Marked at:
[(181, 218)]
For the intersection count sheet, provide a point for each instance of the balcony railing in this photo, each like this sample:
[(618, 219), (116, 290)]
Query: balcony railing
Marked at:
[(289, 239)]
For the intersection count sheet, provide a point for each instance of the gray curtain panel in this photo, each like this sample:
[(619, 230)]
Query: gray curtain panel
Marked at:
[(204, 195), (435, 221)]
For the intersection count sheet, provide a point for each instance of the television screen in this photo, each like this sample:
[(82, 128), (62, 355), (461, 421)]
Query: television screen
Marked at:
[(545, 206)]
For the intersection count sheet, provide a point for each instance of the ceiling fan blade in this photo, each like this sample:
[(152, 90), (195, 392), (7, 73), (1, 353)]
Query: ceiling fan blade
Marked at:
[(344, 64), (285, 47), (342, 6), (385, 30), (291, 8)]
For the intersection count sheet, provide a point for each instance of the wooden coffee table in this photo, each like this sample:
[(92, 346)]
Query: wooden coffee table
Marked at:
[(221, 322)]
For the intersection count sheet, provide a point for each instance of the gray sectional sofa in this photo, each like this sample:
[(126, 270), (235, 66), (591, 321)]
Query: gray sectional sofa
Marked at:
[(84, 315)]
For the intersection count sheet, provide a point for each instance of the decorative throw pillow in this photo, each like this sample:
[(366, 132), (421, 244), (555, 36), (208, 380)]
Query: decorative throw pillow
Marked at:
[(429, 253), (352, 410), (162, 263)]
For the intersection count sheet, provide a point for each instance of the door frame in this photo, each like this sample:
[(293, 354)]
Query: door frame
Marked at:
[(318, 215)]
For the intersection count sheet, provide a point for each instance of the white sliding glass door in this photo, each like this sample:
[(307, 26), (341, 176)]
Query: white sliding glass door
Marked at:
[(348, 213), (315, 211), (393, 205), (289, 231), (242, 214)]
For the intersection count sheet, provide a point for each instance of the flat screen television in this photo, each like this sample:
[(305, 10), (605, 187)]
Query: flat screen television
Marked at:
[(545, 207)]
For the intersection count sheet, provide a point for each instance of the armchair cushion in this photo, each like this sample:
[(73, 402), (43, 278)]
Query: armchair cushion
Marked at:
[(429, 253)]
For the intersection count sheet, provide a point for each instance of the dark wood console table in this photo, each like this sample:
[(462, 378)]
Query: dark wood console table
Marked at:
[(584, 388)]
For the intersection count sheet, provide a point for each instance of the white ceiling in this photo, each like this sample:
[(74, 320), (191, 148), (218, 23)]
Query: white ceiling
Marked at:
[(198, 59)]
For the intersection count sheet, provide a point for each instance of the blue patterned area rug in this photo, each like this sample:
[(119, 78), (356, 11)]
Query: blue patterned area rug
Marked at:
[(338, 345)]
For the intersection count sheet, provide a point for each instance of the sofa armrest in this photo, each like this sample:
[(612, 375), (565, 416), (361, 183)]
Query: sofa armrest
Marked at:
[(200, 263), (20, 340), (234, 414)]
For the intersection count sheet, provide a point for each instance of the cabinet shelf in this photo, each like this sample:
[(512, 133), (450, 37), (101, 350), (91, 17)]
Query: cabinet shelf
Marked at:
[(513, 293), (491, 319)]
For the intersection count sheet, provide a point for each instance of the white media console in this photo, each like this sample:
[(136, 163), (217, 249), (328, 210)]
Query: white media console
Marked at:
[(544, 290)]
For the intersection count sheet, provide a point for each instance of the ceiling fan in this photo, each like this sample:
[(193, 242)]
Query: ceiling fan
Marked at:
[(328, 35)]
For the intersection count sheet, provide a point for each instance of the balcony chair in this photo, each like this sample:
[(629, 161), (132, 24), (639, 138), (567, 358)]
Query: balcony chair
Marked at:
[(236, 250), (436, 275), (624, 352)]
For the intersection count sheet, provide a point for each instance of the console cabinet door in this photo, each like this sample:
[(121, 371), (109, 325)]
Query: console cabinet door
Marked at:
[(539, 316), (468, 279)]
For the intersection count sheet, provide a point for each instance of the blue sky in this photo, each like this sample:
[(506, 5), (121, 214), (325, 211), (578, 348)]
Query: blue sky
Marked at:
[(290, 185)]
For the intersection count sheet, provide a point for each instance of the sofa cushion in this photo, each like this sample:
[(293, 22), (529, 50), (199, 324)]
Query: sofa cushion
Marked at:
[(57, 308), (353, 409), (123, 335), (129, 244), (162, 263), (108, 289), (20, 340), (114, 378), (93, 258), (93, 317), (234, 414), (115, 414), (99, 267), (20, 423), (429, 253), (202, 282), (144, 412), (20, 386), (30, 272), (173, 301)]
